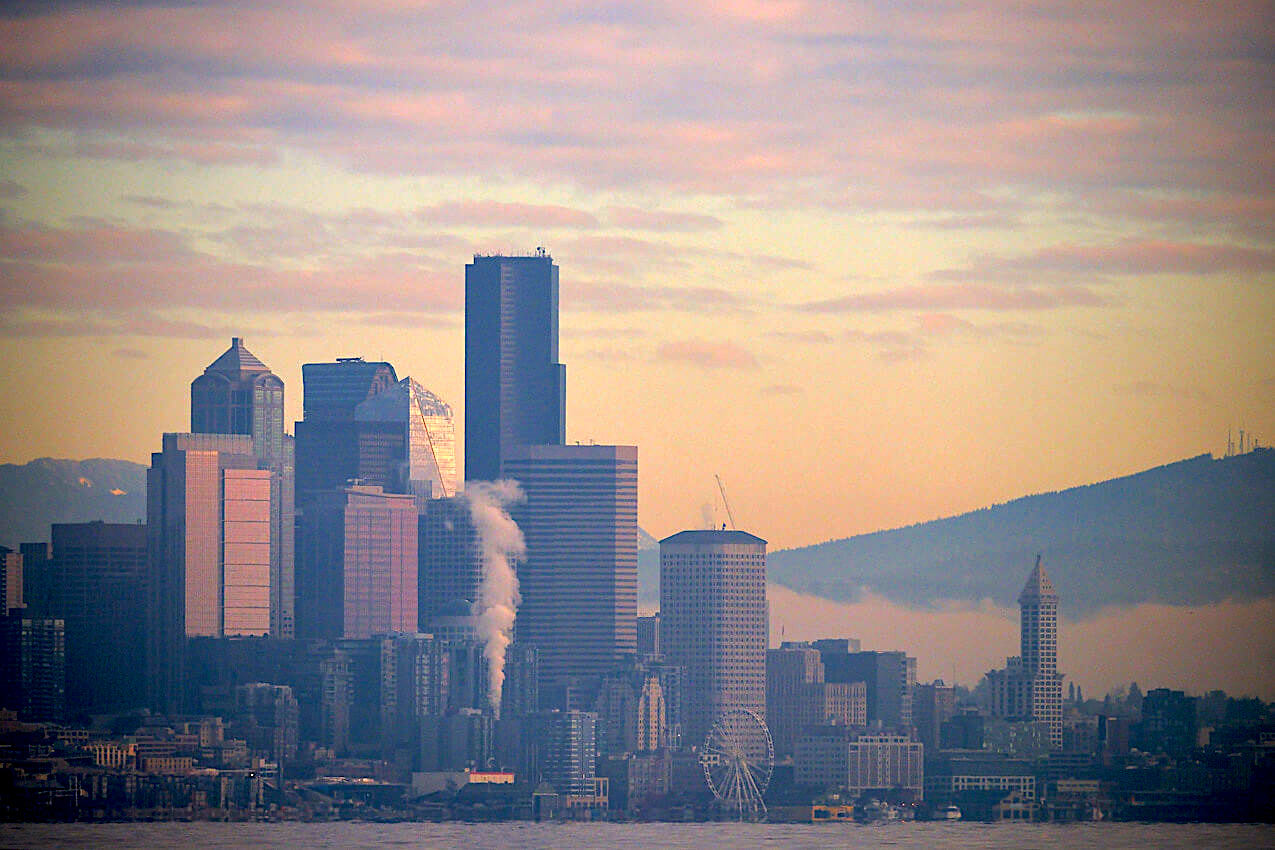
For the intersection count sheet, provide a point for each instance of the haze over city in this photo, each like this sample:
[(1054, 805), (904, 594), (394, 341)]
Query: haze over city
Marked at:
[(872, 264)]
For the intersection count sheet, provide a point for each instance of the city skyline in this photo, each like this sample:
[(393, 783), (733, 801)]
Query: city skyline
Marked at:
[(929, 289)]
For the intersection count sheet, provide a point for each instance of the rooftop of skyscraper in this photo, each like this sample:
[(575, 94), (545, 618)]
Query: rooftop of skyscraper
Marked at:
[(710, 535)]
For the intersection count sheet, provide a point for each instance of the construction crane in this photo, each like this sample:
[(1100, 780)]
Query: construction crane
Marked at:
[(722, 488)]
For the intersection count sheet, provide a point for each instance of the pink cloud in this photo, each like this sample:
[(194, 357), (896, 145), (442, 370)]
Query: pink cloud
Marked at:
[(710, 355), (933, 111), (619, 297), (497, 214), (960, 297), (1126, 257), (638, 218)]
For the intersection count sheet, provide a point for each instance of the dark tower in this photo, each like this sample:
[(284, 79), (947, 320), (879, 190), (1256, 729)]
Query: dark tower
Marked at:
[(327, 438), (515, 388)]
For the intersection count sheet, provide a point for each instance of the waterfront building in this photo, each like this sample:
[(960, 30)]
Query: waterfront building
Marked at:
[(238, 394), (415, 681), (267, 716), (579, 578), (714, 622), (358, 545), (798, 698), (515, 388), (559, 747), (932, 706), (840, 757), (1169, 723), (953, 773)]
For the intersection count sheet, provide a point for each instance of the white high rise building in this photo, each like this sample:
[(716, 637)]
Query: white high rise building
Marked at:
[(714, 622)]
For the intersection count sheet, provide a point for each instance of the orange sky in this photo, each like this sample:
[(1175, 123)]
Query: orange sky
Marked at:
[(870, 265)]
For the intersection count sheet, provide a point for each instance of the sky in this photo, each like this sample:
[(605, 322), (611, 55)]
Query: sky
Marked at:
[(871, 263)]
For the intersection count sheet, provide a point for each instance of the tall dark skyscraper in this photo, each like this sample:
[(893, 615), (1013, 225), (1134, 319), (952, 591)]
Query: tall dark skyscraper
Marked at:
[(327, 437), (97, 586), (515, 388), (238, 394)]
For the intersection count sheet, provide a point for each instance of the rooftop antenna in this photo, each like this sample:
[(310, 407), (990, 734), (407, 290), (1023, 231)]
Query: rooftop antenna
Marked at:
[(722, 488)]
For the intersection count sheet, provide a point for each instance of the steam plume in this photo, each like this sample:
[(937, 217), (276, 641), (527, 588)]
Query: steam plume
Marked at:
[(502, 545)]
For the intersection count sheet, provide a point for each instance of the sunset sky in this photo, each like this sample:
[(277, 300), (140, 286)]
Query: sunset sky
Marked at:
[(871, 263)]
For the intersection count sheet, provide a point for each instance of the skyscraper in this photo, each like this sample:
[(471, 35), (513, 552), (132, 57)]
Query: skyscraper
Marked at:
[(327, 440), (97, 585), (359, 548), (209, 520), (238, 394), (450, 558), (1030, 686), (579, 578), (889, 677), (714, 622), (515, 388), (11, 580), (33, 666), (407, 441)]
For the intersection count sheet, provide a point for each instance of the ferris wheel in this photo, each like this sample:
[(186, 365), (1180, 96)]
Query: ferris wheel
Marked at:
[(738, 758)]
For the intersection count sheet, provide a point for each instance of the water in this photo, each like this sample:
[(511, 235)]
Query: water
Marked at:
[(641, 836)]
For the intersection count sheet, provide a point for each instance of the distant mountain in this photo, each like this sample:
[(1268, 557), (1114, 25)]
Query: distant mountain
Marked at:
[(37, 494), (1189, 533)]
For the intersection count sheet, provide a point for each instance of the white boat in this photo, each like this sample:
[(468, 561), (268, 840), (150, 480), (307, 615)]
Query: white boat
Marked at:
[(949, 812)]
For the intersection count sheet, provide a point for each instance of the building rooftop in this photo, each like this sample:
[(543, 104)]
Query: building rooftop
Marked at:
[(237, 359), (713, 536), (1038, 588)]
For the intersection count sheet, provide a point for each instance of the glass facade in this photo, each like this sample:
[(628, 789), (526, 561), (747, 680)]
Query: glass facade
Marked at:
[(579, 579), (407, 441), (238, 394), (515, 388), (359, 547), (246, 552), (203, 556)]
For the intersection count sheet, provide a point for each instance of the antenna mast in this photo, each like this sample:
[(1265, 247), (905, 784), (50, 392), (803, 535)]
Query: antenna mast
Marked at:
[(722, 488)]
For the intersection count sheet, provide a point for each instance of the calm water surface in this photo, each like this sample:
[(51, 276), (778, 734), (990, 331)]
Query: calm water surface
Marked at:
[(354, 836)]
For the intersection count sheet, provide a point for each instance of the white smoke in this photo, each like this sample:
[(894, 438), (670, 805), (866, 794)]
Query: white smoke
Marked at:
[(502, 545)]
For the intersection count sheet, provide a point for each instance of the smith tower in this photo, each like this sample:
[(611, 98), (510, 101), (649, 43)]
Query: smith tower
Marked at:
[(1030, 686), (515, 388)]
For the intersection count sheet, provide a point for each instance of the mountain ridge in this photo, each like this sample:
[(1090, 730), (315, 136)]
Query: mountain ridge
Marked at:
[(1194, 531)]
